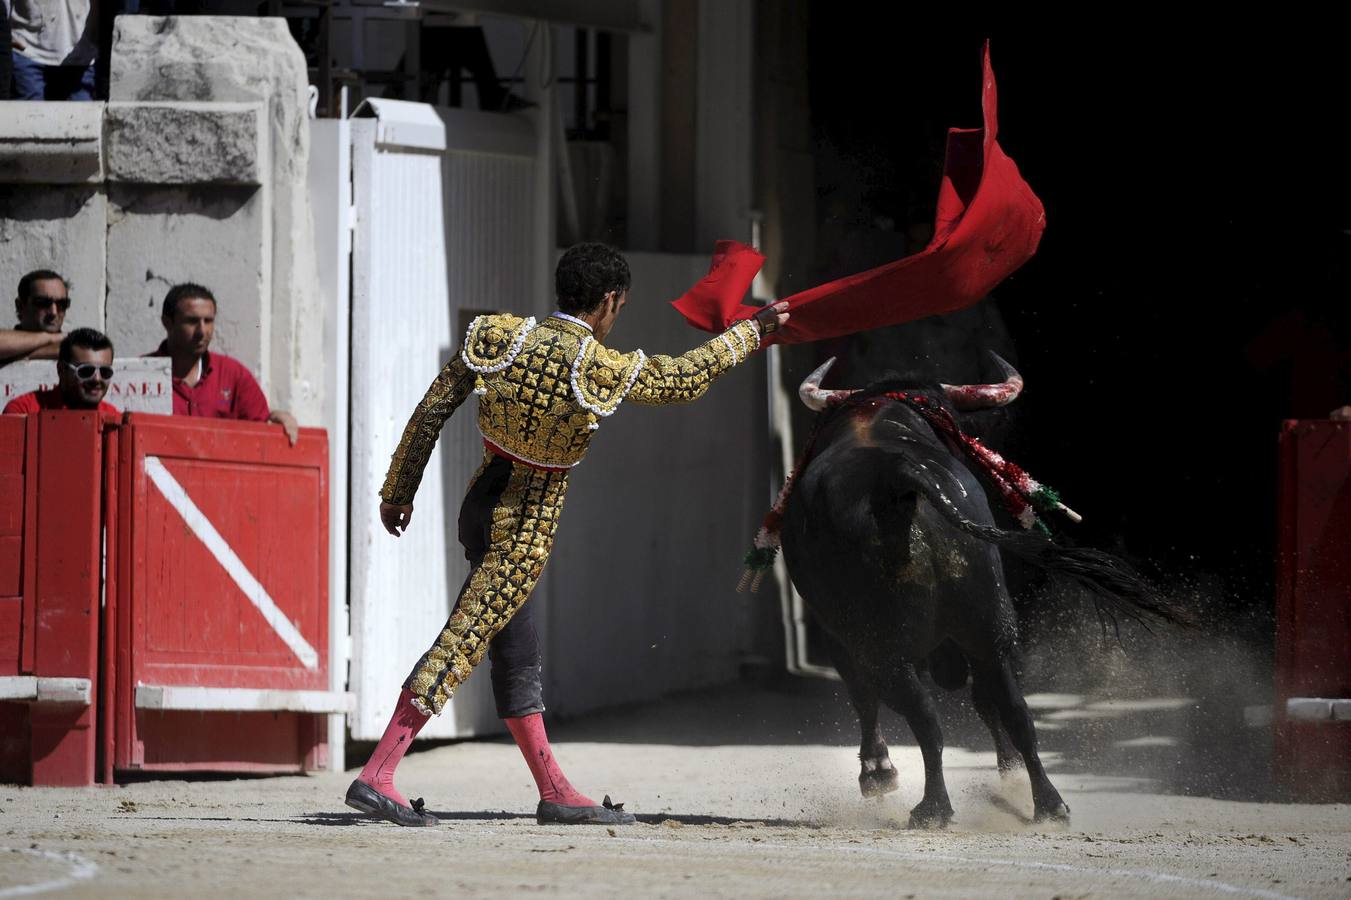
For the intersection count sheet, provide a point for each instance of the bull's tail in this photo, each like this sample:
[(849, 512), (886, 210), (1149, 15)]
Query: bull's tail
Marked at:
[(1115, 586)]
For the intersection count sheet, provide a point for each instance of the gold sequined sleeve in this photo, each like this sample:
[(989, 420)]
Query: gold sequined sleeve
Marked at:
[(447, 392), (679, 379)]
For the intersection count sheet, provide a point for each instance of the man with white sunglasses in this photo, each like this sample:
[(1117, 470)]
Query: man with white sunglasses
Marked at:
[(84, 368)]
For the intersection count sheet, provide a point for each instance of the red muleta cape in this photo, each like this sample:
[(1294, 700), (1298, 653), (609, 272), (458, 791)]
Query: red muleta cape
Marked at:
[(988, 224)]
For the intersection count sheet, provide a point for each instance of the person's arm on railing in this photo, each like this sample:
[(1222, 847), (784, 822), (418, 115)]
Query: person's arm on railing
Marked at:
[(16, 345)]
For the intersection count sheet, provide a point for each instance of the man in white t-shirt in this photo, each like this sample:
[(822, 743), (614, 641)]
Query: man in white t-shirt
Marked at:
[(55, 43)]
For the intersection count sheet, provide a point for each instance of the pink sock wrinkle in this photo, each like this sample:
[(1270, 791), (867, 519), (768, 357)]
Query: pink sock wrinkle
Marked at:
[(403, 726), (553, 785)]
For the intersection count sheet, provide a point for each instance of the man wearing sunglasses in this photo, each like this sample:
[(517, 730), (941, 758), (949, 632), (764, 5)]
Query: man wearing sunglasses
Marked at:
[(84, 367), (40, 307)]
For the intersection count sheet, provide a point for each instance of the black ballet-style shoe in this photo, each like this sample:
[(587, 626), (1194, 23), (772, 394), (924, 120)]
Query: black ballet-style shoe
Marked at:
[(367, 799), (606, 814)]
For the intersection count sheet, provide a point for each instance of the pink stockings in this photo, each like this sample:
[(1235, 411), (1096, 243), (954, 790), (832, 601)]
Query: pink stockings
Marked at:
[(528, 731), (403, 726), (549, 778)]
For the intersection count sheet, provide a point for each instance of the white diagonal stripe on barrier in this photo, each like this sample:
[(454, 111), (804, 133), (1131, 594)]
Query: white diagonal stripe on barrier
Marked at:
[(233, 565)]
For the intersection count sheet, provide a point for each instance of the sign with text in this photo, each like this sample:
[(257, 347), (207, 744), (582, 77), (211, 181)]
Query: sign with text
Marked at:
[(140, 384)]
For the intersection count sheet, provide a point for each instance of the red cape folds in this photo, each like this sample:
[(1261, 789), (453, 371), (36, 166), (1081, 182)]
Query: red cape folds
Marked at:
[(988, 224)]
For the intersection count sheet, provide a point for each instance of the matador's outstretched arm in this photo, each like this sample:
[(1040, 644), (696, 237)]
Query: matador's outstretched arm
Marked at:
[(679, 379), (445, 395)]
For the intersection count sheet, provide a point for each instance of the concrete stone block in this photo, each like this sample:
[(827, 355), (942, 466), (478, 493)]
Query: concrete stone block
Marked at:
[(1341, 710), (219, 59), (50, 143), (225, 59), (216, 236), (186, 143), (57, 227)]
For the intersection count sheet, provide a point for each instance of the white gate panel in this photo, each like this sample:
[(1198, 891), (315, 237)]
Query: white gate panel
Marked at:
[(445, 204), (330, 182)]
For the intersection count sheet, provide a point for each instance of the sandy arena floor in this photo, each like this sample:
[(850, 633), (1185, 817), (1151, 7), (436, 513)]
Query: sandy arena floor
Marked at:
[(739, 793)]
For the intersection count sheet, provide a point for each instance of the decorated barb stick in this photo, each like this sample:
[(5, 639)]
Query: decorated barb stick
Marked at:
[(751, 578), (1073, 516)]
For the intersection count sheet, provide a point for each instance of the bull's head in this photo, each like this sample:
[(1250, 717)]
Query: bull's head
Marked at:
[(965, 397)]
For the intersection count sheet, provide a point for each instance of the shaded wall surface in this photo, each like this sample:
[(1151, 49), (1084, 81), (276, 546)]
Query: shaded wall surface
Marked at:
[(53, 206), (236, 122), (195, 170), (642, 597)]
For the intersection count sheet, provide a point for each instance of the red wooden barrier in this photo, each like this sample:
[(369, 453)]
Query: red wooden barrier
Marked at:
[(50, 588), (1313, 611), (221, 602), (212, 610), (13, 453), (14, 739)]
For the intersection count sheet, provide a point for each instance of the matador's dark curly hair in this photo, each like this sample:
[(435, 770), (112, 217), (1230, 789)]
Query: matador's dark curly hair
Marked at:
[(585, 274)]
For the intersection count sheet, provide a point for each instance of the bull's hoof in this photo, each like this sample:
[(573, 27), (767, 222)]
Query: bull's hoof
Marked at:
[(1058, 813), (877, 782), (931, 816)]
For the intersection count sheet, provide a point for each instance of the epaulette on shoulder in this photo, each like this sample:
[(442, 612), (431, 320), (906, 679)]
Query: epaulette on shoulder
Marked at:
[(492, 342), (602, 378)]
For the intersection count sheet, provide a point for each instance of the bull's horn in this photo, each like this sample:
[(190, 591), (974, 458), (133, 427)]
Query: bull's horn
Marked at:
[(811, 392), (984, 396)]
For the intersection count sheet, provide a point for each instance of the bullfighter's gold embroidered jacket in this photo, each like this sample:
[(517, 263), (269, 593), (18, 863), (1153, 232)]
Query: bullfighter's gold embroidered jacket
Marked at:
[(543, 388)]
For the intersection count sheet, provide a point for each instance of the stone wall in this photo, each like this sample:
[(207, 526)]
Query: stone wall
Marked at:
[(174, 68), (53, 208), (195, 170)]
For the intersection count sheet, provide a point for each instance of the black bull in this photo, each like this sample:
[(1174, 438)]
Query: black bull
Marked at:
[(890, 540)]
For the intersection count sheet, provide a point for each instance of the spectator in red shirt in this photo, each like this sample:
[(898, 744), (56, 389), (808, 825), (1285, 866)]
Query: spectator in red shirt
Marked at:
[(40, 306), (84, 368), (207, 384)]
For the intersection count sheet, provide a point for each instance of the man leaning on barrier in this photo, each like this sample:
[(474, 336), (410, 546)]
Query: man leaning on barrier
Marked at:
[(206, 384), (84, 367), (40, 307)]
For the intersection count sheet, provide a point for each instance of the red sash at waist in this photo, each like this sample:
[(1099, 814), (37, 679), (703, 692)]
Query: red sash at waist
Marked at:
[(525, 462)]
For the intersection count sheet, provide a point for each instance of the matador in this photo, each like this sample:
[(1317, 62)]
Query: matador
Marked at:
[(543, 389)]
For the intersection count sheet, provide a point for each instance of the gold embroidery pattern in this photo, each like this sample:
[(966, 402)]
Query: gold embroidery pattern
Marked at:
[(523, 525), (601, 378), (445, 395), (530, 377), (680, 379), (528, 409), (492, 341)]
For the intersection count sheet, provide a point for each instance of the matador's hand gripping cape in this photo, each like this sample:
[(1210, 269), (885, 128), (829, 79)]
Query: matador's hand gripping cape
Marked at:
[(988, 224)]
